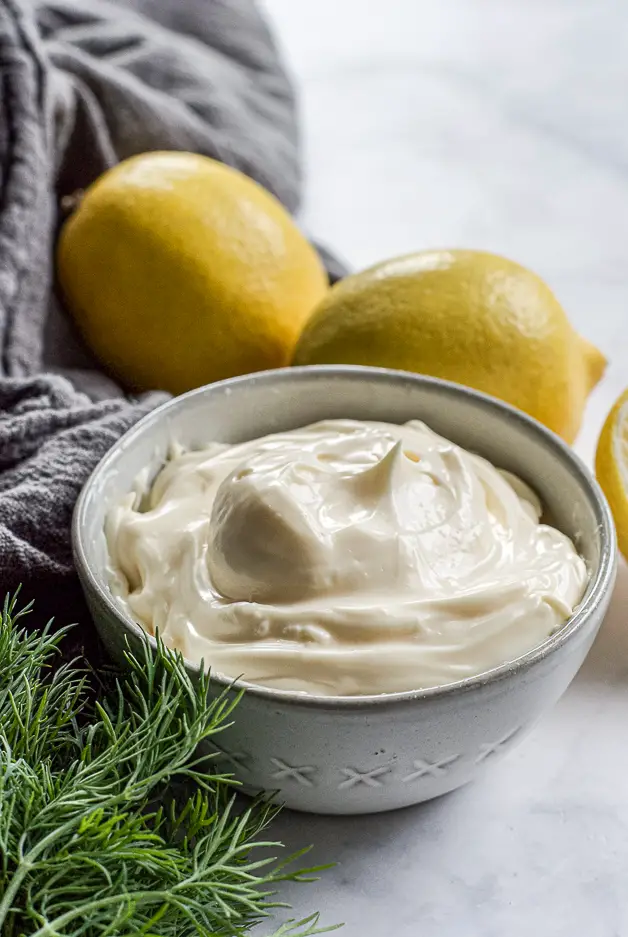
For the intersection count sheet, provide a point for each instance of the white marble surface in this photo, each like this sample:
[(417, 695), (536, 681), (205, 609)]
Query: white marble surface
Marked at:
[(497, 124)]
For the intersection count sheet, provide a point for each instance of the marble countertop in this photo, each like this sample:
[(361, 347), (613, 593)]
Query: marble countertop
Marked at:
[(496, 124)]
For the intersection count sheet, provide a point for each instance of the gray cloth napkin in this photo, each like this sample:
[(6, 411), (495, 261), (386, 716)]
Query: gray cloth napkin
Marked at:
[(86, 83)]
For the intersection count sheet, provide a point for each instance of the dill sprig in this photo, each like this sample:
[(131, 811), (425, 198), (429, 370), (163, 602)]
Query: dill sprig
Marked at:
[(111, 824)]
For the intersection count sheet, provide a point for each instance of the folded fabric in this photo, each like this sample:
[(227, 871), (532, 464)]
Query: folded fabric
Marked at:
[(85, 84)]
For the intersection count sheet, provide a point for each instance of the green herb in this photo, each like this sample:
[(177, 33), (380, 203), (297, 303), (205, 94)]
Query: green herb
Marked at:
[(110, 825)]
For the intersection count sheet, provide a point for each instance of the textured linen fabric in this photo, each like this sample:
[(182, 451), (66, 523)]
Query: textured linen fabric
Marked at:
[(85, 84)]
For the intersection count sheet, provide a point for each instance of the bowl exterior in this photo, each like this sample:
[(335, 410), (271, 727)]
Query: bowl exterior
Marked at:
[(367, 758), (379, 753)]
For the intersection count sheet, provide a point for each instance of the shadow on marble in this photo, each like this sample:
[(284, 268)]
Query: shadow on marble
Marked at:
[(364, 834)]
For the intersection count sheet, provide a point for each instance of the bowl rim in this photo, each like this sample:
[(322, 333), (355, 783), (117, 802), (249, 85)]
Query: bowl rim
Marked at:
[(599, 586)]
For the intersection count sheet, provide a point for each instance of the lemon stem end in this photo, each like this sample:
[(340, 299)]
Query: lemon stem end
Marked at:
[(596, 362)]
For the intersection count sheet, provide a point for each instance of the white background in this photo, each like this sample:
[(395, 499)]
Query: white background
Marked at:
[(503, 125)]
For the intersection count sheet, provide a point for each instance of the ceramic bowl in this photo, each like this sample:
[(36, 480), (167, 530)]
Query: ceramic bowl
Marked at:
[(366, 754)]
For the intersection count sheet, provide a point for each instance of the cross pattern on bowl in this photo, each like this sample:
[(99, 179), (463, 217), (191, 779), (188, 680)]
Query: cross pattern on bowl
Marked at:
[(491, 748), (239, 760), (432, 769), (422, 768), (370, 777), (300, 775)]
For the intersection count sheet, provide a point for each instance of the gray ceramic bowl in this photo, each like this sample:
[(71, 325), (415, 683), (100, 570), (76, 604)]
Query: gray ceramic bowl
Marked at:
[(366, 754)]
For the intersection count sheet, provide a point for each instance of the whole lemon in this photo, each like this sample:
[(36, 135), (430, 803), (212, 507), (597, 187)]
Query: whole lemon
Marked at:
[(465, 316), (180, 271)]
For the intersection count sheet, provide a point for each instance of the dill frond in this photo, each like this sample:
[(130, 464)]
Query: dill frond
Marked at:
[(111, 822)]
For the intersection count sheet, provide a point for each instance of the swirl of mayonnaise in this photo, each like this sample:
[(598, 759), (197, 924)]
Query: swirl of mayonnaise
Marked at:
[(344, 558)]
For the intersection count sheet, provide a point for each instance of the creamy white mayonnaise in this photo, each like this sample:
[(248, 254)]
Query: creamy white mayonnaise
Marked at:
[(345, 558)]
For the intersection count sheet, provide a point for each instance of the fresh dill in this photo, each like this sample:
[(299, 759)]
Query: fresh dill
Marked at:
[(110, 824)]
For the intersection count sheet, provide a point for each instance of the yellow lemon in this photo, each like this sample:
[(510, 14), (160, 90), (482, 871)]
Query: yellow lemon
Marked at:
[(465, 316), (611, 466), (180, 271)]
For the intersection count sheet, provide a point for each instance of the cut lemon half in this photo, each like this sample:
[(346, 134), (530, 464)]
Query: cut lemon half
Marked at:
[(611, 467)]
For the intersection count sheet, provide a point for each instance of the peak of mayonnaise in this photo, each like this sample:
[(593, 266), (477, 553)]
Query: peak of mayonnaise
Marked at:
[(344, 558)]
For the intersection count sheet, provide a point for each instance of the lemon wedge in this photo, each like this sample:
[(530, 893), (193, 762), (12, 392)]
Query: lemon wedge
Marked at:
[(611, 467)]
